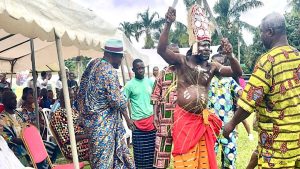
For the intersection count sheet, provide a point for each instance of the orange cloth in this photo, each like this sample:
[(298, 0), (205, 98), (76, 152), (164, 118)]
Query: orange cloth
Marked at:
[(189, 128), (196, 158), (145, 124)]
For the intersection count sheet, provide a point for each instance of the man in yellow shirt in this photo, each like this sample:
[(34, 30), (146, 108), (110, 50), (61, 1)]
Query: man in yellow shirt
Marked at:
[(274, 92)]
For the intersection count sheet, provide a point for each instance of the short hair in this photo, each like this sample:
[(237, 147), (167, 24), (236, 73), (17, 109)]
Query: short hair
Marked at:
[(43, 73), (155, 67), (274, 21), (7, 95), (135, 62)]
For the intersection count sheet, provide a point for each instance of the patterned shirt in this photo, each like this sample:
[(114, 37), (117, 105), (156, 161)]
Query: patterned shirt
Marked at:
[(59, 125), (99, 91), (221, 97), (100, 103), (273, 91), (164, 95), (12, 126)]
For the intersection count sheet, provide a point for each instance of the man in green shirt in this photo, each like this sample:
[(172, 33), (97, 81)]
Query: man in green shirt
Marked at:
[(138, 92)]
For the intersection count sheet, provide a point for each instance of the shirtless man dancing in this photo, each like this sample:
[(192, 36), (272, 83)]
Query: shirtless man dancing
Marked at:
[(194, 126)]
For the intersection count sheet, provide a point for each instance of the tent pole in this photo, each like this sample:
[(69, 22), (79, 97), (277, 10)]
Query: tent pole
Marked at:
[(11, 76), (123, 74), (128, 69), (36, 106), (67, 100), (148, 68)]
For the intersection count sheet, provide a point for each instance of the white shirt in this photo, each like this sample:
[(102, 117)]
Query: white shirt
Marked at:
[(8, 160), (30, 84), (58, 84), (43, 83)]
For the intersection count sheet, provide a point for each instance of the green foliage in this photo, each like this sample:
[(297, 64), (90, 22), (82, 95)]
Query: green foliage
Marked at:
[(128, 29), (189, 3), (293, 29), (72, 64), (146, 24)]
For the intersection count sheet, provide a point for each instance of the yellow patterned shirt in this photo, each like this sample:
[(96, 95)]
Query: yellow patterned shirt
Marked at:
[(273, 92)]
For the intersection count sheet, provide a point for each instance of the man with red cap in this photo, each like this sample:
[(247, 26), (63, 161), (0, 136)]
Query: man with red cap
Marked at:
[(195, 128), (101, 106)]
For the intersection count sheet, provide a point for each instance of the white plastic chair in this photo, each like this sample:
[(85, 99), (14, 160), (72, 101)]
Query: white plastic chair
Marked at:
[(47, 114)]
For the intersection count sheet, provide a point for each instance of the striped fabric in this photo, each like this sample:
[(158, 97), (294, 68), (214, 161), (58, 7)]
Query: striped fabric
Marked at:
[(273, 92), (196, 158), (143, 148)]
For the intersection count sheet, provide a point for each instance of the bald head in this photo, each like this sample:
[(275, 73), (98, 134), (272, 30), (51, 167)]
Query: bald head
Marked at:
[(273, 30), (274, 21)]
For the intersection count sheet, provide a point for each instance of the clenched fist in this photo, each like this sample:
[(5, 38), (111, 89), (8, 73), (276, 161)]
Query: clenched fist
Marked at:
[(171, 15)]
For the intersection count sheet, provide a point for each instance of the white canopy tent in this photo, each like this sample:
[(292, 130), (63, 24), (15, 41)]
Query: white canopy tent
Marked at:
[(81, 31), (41, 28)]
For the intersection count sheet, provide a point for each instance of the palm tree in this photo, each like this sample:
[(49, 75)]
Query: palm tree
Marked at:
[(229, 12), (147, 23), (228, 19), (178, 36), (128, 29)]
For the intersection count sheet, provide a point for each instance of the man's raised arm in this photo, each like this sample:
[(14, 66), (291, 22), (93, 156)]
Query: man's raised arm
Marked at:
[(235, 70), (169, 56)]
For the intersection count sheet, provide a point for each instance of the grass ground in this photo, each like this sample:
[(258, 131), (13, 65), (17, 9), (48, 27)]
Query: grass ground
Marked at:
[(245, 148)]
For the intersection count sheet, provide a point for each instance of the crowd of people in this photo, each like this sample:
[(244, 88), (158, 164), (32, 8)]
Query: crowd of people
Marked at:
[(15, 115), (185, 112)]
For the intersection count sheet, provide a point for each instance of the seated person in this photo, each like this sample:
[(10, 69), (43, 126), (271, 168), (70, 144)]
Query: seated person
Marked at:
[(51, 97), (8, 160), (26, 90), (12, 123), (45, 102), (59, 126)]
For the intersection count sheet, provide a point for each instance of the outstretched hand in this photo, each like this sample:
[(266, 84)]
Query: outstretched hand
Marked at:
[(171, 15)]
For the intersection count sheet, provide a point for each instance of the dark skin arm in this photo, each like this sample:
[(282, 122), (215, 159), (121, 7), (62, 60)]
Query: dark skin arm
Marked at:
[(235, 69), (169, 56), (128, 120), (238, 117)]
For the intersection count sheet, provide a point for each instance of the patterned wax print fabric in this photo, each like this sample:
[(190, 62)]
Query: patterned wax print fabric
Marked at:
[(59, 126), (221, 95), (164, 96), (101, 104), (273, 92), (12, 129)]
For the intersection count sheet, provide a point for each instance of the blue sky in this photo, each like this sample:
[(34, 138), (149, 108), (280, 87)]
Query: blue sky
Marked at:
[(116, 11)]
